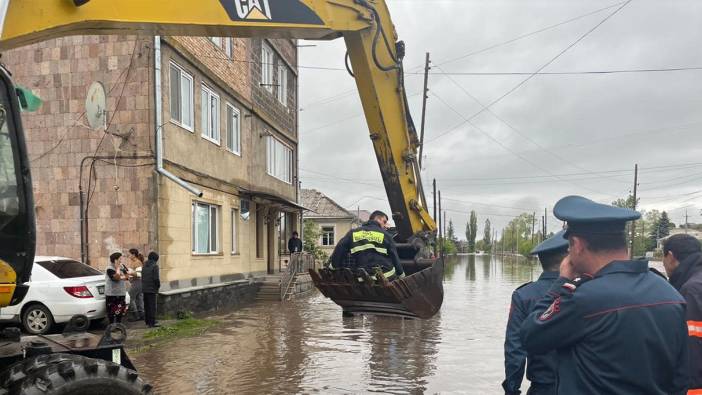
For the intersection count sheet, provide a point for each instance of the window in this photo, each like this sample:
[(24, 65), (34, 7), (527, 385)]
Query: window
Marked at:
[(235, 231), (233, 129), (205, 228), (68, 269), (210, 115), (279, 158), (283, 85), (217, 41), (181, 97), (328, 236), (228, 47), (267, 67), (245, 210)]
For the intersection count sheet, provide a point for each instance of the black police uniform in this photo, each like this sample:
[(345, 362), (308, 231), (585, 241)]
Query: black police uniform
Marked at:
[(540, 369), (370, 246), (621, 330)]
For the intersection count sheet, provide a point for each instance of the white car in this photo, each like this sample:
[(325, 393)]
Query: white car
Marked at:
[(59, 288)]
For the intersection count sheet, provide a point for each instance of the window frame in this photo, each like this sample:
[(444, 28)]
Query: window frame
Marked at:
[(203, 132), (182, 73), (228, 44), (211, 236), (282, 95), (236, 111), (271, 163), (267, 68), (217, 41), (322, 234)]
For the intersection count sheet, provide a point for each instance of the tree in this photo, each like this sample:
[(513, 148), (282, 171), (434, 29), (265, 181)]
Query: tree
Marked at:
[(310, 238), (472, 231), (517, 235), (487, 236), (451, 233), (626, 203)]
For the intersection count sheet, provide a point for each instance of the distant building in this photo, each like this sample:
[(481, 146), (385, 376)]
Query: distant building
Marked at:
[(676, 231), (361, 217), (333, 220)]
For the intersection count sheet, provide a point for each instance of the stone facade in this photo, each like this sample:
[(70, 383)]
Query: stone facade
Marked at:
[(129, 205)]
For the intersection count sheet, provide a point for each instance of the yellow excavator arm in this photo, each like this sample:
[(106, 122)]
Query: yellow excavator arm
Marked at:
[(374, 52)]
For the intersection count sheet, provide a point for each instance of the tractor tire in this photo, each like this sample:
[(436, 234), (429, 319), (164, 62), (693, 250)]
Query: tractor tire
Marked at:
[(66, 374)]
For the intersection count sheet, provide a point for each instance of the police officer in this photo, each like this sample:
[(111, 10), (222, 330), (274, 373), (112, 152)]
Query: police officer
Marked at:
[(370, 246), (541, 369), (617, 327)]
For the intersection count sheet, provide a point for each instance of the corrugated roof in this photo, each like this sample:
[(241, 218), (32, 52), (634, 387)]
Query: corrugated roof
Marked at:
[(321, 206)]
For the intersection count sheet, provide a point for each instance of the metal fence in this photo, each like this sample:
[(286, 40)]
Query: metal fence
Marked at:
[(300, 262)]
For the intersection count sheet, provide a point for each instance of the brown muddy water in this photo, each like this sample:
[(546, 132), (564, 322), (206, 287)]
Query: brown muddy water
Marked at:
[(305, 346)]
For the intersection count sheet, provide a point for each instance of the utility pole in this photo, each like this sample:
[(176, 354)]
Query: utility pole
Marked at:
[(545, 222), (424, 109), (533, 224), (643, 236), (685, 220), (542, 229), (633, 223)]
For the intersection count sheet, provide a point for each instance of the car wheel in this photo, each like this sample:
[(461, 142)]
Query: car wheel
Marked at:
[(37, 319)]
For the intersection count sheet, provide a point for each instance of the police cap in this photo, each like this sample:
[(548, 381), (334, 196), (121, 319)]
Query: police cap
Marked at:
[(587, 217), (555, 243)]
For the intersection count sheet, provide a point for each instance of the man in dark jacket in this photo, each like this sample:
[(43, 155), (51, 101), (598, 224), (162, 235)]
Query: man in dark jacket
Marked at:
[(682, 259), (150, 283), (617, 327), (541, 369), (294, 244), (370, 246)]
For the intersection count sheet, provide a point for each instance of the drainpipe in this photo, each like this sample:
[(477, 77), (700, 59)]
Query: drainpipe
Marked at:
[(158, 102)]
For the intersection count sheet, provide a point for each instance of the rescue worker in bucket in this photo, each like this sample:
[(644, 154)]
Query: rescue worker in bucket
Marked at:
[(617, 327), (370, 246), (540, 369)]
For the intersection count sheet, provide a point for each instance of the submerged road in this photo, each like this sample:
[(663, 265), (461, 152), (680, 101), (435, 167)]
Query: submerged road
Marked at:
[(305, 346)]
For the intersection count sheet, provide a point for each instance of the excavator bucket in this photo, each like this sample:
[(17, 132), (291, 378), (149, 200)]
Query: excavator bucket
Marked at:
[(419, 295)]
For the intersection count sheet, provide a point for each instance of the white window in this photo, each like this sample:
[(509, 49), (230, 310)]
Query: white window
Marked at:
[(267, 67), (181, 97), (205, 228), (235, 231), (210, 115), (283, 85), (217, 41), (280, 160), (233, 129), (228, 44), (327, 236)]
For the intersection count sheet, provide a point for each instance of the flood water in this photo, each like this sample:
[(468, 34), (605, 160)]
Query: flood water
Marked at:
[(305, 346)]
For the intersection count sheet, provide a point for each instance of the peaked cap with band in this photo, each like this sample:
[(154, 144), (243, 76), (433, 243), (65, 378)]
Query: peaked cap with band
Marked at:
[(555, 243), (586, 217)]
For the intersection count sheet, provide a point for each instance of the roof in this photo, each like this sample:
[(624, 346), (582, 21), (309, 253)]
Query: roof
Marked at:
[(321, 206)]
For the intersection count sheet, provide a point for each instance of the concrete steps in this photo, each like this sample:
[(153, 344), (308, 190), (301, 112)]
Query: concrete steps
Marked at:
[(270, 288)]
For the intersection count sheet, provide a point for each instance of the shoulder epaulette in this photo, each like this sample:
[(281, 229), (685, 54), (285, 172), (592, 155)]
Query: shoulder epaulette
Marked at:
[(524, 285), (573, 284)]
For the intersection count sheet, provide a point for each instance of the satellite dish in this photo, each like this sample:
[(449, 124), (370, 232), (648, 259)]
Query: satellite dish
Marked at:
[(95, 106)]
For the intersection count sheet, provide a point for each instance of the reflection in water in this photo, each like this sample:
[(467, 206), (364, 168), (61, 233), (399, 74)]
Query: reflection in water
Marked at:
[(305, 346)]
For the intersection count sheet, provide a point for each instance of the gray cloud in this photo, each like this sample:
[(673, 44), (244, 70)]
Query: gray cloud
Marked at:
[(566, 124)]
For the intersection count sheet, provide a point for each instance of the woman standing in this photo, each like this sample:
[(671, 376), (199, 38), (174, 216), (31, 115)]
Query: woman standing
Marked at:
[(116, 288), (136, 304)]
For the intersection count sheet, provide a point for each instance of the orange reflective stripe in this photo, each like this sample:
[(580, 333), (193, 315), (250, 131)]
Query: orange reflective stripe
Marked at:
[(694, 328), (695, 392)]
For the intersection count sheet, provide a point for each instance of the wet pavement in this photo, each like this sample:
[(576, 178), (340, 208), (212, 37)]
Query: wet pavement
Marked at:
[(305, 346)]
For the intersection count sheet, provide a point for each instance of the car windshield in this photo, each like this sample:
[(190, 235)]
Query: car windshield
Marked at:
[(68, 269)]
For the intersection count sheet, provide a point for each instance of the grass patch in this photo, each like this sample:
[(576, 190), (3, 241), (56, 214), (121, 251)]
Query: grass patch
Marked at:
[(181, 328)]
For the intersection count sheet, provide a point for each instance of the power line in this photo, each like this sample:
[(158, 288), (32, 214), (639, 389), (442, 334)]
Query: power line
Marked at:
[(556, 73)]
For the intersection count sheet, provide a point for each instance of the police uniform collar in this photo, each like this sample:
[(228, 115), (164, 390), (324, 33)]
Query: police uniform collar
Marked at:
[(635, 266), (549, 275)]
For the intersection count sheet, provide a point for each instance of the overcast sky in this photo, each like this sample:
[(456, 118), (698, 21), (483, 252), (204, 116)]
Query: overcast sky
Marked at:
[(555, 135)]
